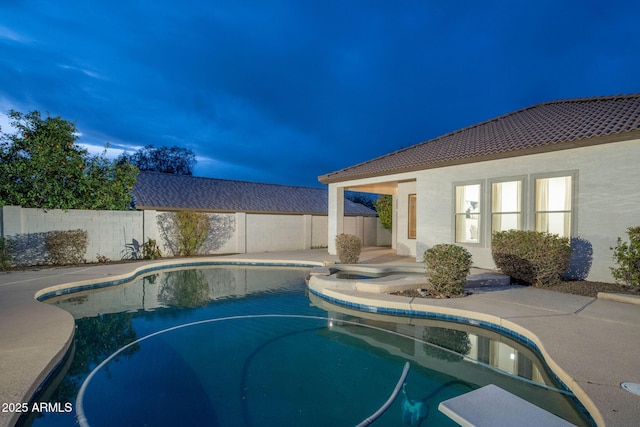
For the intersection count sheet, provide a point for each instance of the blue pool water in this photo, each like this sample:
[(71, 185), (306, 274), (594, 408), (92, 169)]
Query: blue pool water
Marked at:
[(243, 346)]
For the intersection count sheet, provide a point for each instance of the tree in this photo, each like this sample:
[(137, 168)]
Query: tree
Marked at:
[(41, 166), (384, 208), (362, 198), (174, 160)]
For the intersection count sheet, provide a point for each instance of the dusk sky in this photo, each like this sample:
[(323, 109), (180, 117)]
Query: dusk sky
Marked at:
[(284, 91)]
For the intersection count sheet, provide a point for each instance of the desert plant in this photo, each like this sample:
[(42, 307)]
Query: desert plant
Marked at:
[(193, 229), (627, 257), (533, 257), (102, 259), (150, 250), (67, 247), (348, 248), (6, 253), (447, 267)]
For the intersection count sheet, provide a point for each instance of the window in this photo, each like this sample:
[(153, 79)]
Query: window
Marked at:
[(553, 205), (412, 217), (467, 217), (506, 206)]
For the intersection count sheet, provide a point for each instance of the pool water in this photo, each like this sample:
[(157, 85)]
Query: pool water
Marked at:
[(243, 346)]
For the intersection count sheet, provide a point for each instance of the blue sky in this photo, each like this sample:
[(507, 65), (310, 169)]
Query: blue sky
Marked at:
[(284, 91)]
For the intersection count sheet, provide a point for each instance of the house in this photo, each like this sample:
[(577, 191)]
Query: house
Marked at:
[(251, 216), (567, 167)]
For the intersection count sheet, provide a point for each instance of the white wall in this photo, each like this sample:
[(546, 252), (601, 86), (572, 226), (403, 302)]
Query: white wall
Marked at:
[(110, 231), (607, 197)]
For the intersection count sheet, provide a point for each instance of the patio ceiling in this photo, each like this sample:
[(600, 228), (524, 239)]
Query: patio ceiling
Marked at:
[(388, 187)]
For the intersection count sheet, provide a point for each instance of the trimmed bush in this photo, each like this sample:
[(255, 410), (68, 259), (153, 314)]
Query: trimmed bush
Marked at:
[(67, 247), (348, 248), (193, 229), (6, 254), (150, 250), (447, 267), (533, 257), (627, 257)]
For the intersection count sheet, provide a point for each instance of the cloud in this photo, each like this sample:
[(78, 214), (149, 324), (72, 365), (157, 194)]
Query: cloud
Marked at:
[(288, 90), (12, 36)]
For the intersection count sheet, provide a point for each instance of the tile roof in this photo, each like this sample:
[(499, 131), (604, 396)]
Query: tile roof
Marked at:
[(174, 192), (543, 127)]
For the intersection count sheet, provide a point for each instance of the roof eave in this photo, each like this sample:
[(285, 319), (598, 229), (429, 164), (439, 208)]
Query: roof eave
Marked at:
[(343, 175)]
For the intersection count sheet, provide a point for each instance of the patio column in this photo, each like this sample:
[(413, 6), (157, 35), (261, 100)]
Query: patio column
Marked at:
[(335, 215)]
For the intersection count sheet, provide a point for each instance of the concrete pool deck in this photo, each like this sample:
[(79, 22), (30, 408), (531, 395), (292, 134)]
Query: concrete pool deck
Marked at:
[(592, 344)]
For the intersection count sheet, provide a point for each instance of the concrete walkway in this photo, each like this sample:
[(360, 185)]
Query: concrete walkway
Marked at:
[(592, 344)]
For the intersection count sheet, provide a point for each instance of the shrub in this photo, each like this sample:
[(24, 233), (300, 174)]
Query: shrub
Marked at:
[(534, 257), (627, 257), (150, 250), (384, 208), (348, 248), (193, 229), (447, 267), (6, 253), (102, 259), (67, 247)]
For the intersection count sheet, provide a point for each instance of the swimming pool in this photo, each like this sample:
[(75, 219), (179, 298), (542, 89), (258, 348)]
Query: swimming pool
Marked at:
[(247, 346)]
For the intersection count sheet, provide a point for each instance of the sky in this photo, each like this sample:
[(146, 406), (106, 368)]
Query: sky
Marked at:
[(282, 91)]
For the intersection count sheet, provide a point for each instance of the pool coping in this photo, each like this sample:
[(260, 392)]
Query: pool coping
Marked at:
[(348, 293), (56, 327), (36, 337)]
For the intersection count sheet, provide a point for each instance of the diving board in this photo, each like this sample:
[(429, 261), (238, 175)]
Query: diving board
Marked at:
[(495, 407)]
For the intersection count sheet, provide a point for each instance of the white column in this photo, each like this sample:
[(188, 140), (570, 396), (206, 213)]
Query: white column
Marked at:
[(149, 225), (11, 220), (307, 232), (394, 221), (241, 232), (336, 215)]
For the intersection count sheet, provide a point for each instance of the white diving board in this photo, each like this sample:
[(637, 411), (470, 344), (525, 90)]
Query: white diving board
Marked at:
[(495, 407)]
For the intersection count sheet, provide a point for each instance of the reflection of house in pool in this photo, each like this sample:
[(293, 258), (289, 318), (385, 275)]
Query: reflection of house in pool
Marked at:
[(565, 167), (477, 344), (486, 354)]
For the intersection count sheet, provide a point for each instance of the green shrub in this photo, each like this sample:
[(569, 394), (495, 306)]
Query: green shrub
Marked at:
[(534, 257), (67, 247), (6, 254), (150, 250), (193, 230), (627, 257), (384, 208), (447, 267), (348, 248)]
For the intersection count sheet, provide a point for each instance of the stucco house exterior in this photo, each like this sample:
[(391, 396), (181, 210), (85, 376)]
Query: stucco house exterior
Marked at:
[(569, 167)]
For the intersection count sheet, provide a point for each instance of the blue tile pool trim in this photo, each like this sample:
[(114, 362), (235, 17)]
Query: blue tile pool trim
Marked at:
[(361, 307), (463, 320), (106, 283)]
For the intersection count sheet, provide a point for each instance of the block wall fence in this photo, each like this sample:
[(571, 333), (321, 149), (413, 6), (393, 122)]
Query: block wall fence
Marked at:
[(113, 233)]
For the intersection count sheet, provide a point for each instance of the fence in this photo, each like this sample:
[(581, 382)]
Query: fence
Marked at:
[(117, 234)]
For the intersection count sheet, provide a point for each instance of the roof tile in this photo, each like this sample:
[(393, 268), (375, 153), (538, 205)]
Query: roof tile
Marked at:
[(174, 192), (544, 127)]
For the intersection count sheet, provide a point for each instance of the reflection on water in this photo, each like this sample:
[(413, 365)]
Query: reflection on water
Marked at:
[(186, 288), (456, 341), (462, 342), (178, 288), (109, 318)]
